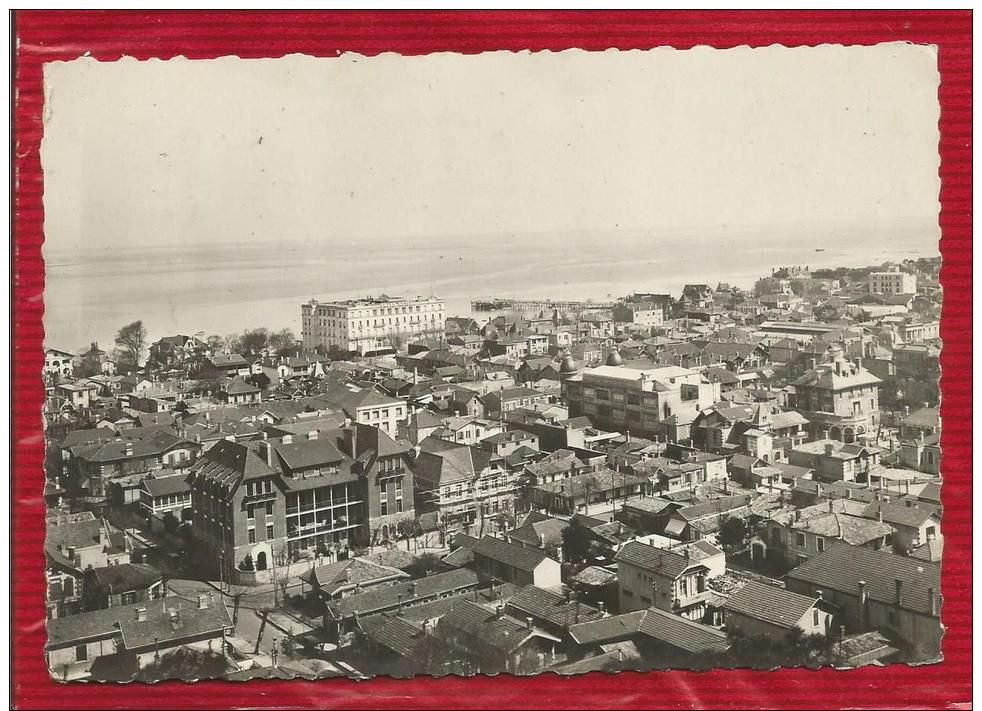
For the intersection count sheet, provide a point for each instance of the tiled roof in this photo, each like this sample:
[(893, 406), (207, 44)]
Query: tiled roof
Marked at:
[(840, 568), (227, 463), (527, 559), (160, 624), (900, 514), (478, 622), (770, 604), (166, 485), (658, 560), (607, 629), (307, 453), (681, 633), (347, 573), (550, 607), (387, 597), (125, 577)]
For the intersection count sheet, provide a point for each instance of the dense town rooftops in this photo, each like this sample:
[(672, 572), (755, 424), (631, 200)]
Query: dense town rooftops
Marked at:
[(389, 596), (551, 607)]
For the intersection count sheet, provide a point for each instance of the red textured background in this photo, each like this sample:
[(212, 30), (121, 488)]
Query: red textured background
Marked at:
[(44, 36)]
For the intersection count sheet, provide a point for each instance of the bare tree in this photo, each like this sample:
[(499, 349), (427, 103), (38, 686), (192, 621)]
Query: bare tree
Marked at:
[(131, 342)]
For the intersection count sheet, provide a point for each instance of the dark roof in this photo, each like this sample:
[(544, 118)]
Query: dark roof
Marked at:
[(550, 607), (126, 577), (681, 633), (238, 386), (770, 604), (901, 514), (139, 634), (664, 562), (166, 485), (840, 568), (307, 453), (498, 632), (387, 597), (227, 463), (511, 554), (348, 573)]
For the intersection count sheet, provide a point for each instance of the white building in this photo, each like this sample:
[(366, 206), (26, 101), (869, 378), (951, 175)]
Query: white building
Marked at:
[(892, 282), (371, 325)]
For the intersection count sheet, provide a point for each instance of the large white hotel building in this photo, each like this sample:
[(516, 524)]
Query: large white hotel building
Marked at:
[(371, 325)]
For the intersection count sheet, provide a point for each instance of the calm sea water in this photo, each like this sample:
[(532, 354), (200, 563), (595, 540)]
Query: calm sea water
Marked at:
[(224, 289)]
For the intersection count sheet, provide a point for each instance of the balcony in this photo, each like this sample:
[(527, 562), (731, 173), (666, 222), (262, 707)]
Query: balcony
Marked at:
[(260, 496)]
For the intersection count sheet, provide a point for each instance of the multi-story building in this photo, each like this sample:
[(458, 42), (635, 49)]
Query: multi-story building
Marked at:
[(667, 580), (640, 314), (369, 407), (639, 399), (892, 282), (371, 325), (839, 398), (59, 364), (272, 500), (461, 483)]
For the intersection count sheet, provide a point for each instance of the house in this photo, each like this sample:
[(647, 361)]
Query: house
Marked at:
[(348, 577), (690, 523), (878, 590), (495, 642), (342, 613), (759, 610), (578, 492), (508, 399), (73, 544), (551, 611), (501, 444), (120, 584), (166, 491), (498, 559), (832, 460), (58, 364), (913, 523), (461, 483), (368, 406), (839, 398), (653, 577), (922, 454), (791, 537), (667, 640), (78, 395), (239, 392), (141, 631), (539, 531)]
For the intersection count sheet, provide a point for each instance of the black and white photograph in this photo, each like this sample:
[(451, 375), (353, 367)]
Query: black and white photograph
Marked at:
[(499, 363)]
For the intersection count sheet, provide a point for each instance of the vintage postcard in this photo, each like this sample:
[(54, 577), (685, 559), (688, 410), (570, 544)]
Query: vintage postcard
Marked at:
[(495, 363)]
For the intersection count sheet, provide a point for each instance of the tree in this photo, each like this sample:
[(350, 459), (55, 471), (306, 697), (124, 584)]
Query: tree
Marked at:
[(283, 342), (254, 341), (131, 341), (171, 524), (576, 542), (732, 532), (424, 565), (215, 343), (247, 565)]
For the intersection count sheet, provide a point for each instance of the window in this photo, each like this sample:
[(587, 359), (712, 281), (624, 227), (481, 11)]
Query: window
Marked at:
[(252, 535), (129, 598), (820, 544), (269, 508), (815, 617), (799, 539), (68, 587), (269, 531), (81, 653)]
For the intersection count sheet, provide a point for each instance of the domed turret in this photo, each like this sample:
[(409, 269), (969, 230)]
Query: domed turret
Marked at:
[(568, 366), (614, 358)]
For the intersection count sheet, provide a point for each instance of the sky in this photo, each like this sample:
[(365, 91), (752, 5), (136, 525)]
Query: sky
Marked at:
[(771, 142)]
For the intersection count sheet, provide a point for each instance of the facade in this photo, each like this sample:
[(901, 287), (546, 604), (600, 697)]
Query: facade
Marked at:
[(840, 399), (759, 610), (626, 398), (878, 590), (461, 483), (498, 559), (371, 325), (654, 577), (892, 282), (58, 363)]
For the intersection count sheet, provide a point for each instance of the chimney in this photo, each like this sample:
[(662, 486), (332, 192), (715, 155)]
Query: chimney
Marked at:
[(202, 601), (141, 614), (129, 449), (932, 601), (412, 589), (351, 440), (499, 612), (528, 623), (797, 515), (863, 594), (831, 505), (879, 515), (601, 606), (820, 594), (828, 450), (899, 584), (266, 449), (426, 627)]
